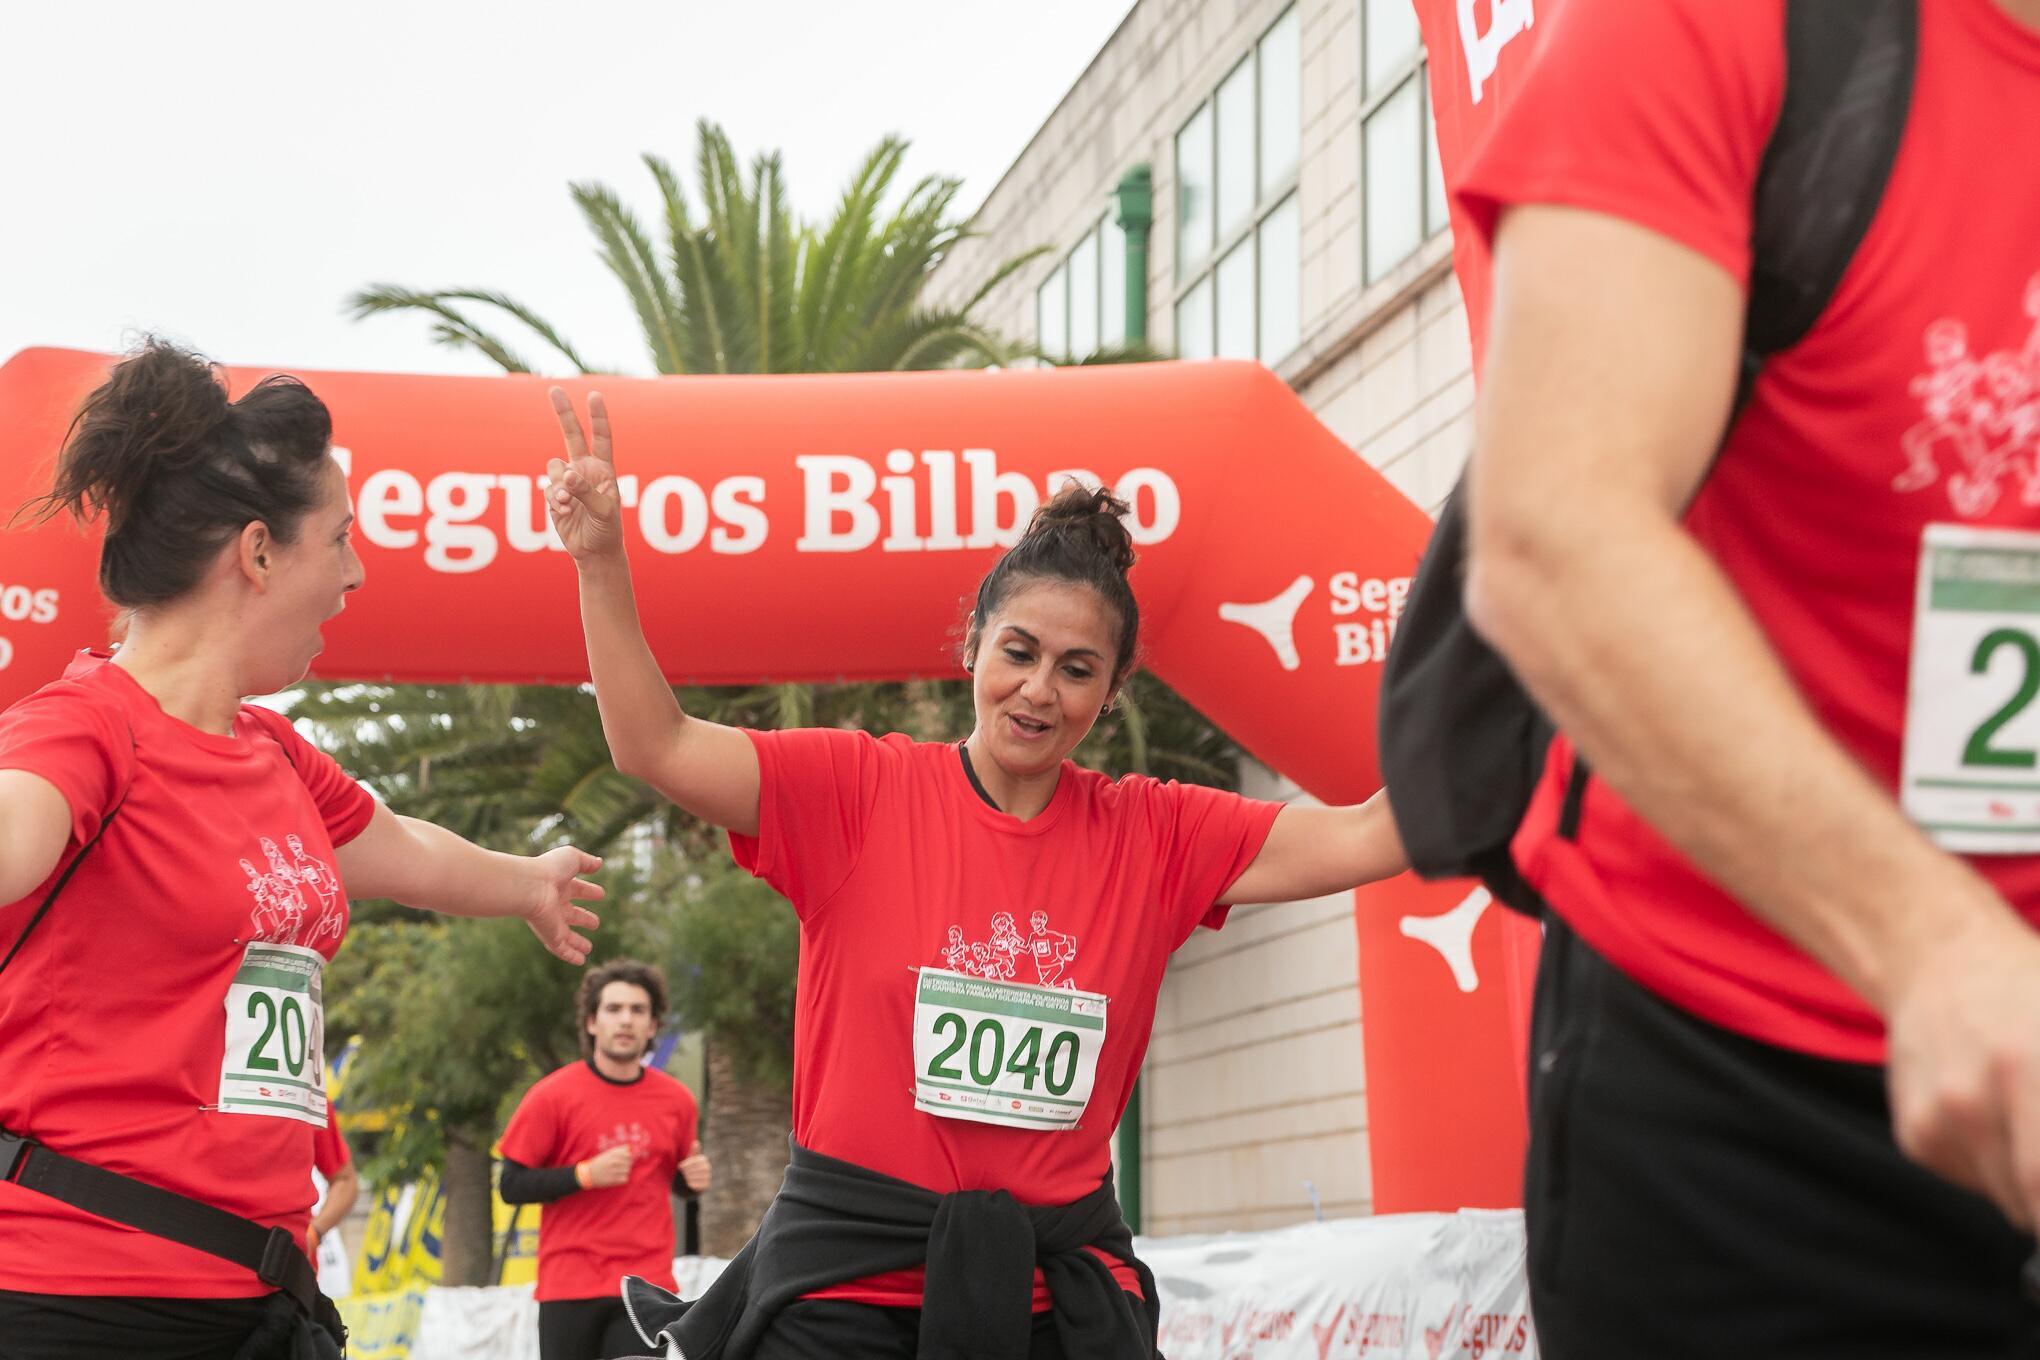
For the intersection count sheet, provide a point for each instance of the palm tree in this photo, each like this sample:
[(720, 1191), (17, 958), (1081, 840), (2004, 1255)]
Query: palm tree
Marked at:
[(737, 285), (732, 283)]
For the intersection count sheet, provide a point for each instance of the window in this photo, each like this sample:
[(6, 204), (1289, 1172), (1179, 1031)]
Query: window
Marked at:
[(1052, 307), (1238, 272), (1081, 307), (1402, 188)]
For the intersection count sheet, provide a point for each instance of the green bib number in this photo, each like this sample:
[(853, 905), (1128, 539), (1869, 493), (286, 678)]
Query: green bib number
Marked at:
[(1004, 1052), (274, 1061), (1972, 731)]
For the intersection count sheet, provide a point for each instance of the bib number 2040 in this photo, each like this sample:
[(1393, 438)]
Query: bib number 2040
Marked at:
[(987, 1058), (1010, 1053)]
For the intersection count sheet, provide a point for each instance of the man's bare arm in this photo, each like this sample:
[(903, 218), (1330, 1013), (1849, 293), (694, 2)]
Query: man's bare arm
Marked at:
[(1611, 369)]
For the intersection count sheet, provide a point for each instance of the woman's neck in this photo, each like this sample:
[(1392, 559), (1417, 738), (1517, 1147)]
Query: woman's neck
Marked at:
[(186, 667), (1023, 796)]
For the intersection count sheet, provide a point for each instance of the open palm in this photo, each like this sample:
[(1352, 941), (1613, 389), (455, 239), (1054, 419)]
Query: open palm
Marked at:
[(585, 508)]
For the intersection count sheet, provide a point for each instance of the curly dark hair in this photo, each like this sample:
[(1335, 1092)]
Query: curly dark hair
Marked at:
[(638, 974)]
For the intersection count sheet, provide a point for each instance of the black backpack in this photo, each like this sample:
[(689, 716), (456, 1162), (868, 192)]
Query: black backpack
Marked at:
[(1462, 746)]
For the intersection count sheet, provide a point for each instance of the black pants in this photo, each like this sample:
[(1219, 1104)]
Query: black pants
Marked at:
[(586, 1329), (830, 1329), (1691, 1192), (82, 1327)]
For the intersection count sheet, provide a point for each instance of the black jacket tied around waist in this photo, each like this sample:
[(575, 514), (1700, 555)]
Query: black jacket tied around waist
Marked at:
[(834, 1221)]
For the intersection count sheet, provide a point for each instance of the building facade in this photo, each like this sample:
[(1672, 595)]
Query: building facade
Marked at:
[(1251, 179)]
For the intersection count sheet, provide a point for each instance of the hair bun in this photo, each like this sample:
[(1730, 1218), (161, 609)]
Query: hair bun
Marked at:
[(1093, 513), (177, 471), (169, 400)]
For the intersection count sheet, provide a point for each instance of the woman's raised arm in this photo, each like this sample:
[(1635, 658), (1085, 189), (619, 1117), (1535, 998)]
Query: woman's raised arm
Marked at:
[(704, 768)]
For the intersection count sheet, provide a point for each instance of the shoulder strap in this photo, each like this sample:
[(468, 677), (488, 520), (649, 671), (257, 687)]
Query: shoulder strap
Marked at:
[(1848, 89), (72, 868)]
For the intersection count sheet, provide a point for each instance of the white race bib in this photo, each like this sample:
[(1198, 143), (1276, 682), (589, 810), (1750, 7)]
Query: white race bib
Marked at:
[(1004, 1052), (1971, 772), (275, 1061)]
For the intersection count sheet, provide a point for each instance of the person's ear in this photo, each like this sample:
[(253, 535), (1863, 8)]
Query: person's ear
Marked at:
[(255, 553)]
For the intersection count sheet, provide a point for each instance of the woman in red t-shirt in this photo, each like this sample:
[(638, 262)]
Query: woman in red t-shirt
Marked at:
[(984, 928), (172, 864)]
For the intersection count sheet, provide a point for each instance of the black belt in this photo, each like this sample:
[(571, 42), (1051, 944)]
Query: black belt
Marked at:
[(274, 1254)]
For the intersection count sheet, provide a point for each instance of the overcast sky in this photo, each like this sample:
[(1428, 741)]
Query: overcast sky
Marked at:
[(227, 173)]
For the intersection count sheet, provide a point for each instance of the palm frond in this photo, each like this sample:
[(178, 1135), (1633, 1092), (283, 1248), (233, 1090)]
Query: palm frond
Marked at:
[(539, 326), (451, 328), (707, 349), (629, 256), (840, 253)]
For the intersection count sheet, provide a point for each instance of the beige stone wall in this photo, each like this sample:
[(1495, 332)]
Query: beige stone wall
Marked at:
[(1255, 1089)]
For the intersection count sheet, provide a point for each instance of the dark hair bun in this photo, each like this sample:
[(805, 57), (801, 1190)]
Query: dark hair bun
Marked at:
[(178, 470), (1079, 536), (1088, 513), (156, 412)]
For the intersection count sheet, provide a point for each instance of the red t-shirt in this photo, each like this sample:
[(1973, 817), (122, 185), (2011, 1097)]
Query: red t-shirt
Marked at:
[(329, 1147), (589, 1240), (1659, 113), (113, 1016), (894, 863)]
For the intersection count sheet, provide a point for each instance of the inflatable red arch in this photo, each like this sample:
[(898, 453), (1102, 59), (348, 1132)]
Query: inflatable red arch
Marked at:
[(830, 527)]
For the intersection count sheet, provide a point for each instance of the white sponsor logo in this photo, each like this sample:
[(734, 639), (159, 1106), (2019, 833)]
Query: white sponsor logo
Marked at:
[(464, 520), (1506, 20), (1364, 611), (1451, 934), (1274, 620), (25, 604)]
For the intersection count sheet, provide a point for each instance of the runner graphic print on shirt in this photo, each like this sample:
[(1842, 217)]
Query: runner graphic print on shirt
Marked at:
[(1050, 949), (1048, 952), (632, 1135), (1984, 412), (295, 903)]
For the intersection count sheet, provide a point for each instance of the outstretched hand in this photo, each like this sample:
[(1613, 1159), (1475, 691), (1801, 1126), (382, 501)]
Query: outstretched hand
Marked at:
[(556, 915), (581, 495)]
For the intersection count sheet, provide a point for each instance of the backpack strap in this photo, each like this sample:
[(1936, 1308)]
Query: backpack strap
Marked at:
[(76, 860), (1849, 68)]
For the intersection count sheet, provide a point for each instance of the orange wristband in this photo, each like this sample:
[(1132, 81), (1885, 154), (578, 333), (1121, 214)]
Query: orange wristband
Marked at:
[(581, 1174)]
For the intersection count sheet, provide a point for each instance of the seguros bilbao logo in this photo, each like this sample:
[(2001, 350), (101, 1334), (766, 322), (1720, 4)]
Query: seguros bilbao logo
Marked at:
[(1364, 612), (24, 604)]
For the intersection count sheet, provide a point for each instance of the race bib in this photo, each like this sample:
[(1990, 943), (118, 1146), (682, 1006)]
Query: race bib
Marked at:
[(275, 1061), (1004, 1052), (1971, 772)]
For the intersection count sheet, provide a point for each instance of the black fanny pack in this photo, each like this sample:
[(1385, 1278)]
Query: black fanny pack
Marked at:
[(308, 1329)]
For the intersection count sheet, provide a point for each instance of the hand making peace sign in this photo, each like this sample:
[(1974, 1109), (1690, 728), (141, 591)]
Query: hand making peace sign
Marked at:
[(583, 500)]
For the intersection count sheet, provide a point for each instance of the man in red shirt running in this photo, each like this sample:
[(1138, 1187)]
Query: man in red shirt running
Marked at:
[(1786, 1078), (603, 1143)]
